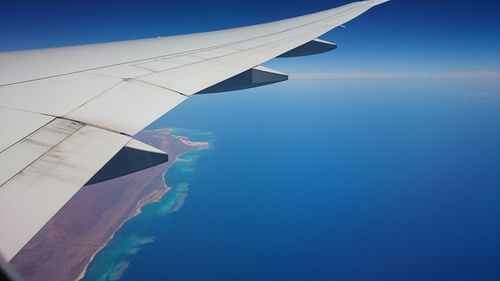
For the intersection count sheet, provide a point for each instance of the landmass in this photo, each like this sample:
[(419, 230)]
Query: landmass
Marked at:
[(66, 245)]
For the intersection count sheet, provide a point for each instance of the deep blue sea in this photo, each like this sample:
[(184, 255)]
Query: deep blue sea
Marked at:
[(326, 180)]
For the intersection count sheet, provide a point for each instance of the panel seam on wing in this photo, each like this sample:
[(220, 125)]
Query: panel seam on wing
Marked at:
[(48, 151), (157, 86)]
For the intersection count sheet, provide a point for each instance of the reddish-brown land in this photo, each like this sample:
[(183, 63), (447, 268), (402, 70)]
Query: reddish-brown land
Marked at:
[(66, 245)]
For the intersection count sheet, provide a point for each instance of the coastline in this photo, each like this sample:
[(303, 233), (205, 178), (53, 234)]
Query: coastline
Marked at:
[(67, 245), (141, 204)]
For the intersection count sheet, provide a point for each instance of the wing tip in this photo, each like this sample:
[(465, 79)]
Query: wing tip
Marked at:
[(377, 2)]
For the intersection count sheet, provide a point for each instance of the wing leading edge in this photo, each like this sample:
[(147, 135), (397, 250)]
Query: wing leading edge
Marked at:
[(67, 111)]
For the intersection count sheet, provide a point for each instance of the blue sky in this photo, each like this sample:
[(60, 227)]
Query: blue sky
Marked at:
[(400, 36)]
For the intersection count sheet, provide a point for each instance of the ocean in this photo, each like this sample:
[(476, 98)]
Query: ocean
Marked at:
[(326, 180)]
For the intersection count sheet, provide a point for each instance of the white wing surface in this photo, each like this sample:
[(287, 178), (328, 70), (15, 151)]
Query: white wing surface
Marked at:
[(65, 112)]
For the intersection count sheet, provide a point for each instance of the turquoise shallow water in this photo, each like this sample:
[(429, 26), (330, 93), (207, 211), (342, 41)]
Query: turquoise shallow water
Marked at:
[(328, 180), (113, 260)]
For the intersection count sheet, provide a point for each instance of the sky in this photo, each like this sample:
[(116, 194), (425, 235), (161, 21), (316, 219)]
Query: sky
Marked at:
[(401, 36)]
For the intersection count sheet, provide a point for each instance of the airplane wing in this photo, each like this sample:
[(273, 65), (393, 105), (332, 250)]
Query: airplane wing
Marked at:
[(66, 112)]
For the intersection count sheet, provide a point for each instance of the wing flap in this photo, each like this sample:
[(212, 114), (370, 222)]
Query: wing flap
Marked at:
[(29, 149), (33, 195)]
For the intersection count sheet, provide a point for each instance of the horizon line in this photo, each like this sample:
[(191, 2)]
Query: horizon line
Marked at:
[(479, 74)]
